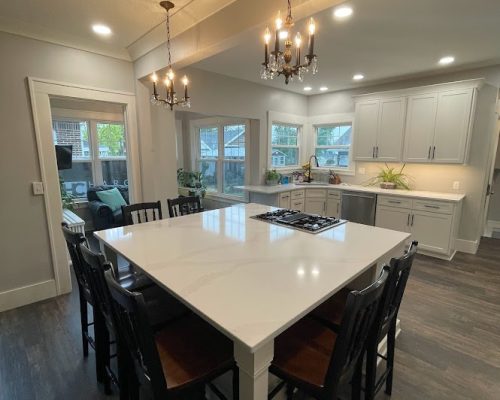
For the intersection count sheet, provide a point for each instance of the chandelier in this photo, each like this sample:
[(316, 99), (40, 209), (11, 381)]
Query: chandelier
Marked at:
[(171, 98), (280, 62)]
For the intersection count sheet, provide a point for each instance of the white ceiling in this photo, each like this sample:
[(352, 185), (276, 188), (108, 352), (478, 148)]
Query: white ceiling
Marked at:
[(69, 22), (384, 39)]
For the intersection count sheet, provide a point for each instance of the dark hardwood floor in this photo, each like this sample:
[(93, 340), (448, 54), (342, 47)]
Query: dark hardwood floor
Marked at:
[(449, 347)]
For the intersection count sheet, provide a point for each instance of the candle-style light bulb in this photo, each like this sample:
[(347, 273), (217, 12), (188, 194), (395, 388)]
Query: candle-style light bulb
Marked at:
[(154, 77), (170, 74), (267, 36), (278, 21), (168, 82), (185, 80), (298, 40), (312, 26)]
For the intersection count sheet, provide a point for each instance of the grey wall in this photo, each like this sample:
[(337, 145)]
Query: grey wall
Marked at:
[(439, 178), (24, 243)]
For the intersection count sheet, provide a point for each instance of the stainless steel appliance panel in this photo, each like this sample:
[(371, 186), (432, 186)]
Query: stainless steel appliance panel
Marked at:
[(359, 207)]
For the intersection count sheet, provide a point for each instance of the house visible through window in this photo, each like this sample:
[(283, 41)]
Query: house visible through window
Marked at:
[(284, 145), (221, 157), (99, 153), (333, 145)]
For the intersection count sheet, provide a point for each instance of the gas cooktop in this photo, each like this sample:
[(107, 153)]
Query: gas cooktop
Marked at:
[(298, 220)]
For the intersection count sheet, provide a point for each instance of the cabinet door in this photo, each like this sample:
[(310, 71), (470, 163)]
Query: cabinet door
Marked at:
[(452, 126), (284, 200), (397, 219), (315, 206), (333, 208), (432, 231), (420, 126), (391, 129), (298, 205), (365, 130)]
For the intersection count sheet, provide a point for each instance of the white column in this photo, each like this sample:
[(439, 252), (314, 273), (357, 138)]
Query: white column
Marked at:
[(254, 370)]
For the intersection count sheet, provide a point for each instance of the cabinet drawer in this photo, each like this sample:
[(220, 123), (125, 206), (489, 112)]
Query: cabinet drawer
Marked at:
[(334, 194), (298, 205), (298, 194), (316, 193), (393, 201), (284, 195), (433, 206)]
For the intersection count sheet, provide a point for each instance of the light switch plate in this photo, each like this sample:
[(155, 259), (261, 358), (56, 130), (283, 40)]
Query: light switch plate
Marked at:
[(37, 188), (456, 185)]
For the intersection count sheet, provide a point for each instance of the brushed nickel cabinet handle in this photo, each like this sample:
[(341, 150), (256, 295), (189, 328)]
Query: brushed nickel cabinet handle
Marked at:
[(394, 201), (408, 220), (433, 152), (376, 153), (412, 218), (429, 153), (373, 152), (429, 206)]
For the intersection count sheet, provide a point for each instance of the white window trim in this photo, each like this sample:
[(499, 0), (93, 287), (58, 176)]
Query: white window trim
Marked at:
[(332, 119), (220, 122), (274, 117), (92, 119)]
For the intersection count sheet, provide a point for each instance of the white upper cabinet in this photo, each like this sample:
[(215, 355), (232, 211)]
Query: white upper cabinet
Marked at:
[(438, 127), (390, 129), (452, 126), (365, 130), (378, 129), (420, 127)]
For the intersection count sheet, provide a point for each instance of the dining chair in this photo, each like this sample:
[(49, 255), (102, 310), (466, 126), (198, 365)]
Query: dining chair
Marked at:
[(331, 312), (316, 359), (184, 205), (161, 310), (141, 212), (175, 362)]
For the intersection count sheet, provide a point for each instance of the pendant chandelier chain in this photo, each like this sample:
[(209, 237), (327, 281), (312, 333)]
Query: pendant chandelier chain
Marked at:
[(168, 40)]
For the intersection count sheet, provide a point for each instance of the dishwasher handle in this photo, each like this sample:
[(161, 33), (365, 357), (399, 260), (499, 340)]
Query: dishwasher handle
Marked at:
[(358, 195)]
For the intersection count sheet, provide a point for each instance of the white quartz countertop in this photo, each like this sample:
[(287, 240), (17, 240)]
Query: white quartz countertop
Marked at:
[(264, 189), (249, 278)]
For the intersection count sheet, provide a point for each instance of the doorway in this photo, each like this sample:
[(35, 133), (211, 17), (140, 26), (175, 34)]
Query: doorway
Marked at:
[(492, 225)]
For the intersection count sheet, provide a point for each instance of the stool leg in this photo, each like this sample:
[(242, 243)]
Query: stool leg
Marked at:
[(84, 321), (289, 392), (391, 344), (123, 371), (100, 366), (236, 383), (371, 369), (356, 379)]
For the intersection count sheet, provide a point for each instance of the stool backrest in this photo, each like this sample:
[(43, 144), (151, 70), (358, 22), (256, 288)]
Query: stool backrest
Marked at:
[(141, 212), (361, 311), (183, 206), (134, 331), (73, 242)]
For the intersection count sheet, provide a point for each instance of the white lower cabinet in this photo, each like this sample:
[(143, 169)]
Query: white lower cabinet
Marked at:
[(315, 206), (434, 230), (298, 205), (284, 200), (333, 208)]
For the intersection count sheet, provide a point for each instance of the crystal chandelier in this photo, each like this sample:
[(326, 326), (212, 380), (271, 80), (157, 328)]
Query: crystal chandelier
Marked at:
[(171, 99), (280, 62)]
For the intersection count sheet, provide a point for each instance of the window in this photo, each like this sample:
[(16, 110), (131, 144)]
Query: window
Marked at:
[(284, 145), (333, 145), (99, 154), (222, 157)]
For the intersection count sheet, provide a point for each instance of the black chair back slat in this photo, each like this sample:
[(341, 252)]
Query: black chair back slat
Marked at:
[(141, 209), (73, 242), (184, 206), (135, 332), (361, 311)]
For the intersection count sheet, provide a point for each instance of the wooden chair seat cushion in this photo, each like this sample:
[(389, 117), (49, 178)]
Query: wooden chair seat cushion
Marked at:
[(192, 351), (302, 353), (332, 310)]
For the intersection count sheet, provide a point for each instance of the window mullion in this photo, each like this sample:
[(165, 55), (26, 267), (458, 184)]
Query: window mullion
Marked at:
[(96, 163)]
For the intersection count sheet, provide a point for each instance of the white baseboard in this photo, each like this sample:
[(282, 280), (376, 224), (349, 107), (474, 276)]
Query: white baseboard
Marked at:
[(491, 225), (27, 294), (466, 246)]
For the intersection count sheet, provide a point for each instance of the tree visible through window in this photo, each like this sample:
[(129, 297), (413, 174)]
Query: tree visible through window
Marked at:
[(333, 145), (284, 145)]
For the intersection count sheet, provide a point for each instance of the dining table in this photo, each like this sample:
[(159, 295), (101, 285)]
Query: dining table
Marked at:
[(248, 278)]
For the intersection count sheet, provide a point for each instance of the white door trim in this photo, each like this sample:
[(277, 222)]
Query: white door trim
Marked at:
[(40, 92)]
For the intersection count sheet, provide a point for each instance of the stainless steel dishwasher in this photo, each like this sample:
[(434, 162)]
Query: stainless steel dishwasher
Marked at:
[(359, 207)]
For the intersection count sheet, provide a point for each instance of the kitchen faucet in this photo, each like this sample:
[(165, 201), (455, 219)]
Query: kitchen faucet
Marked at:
[(309, 179)]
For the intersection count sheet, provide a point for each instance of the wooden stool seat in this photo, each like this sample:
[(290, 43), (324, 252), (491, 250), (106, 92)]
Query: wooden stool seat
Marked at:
[(303, 352), (332, 310), (191, 351)]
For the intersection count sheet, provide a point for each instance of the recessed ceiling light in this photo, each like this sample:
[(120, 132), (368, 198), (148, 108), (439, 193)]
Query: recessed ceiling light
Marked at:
[(101, 29), (323, 88), (342, 12), (358, 77), (307, 88), (446, 60)]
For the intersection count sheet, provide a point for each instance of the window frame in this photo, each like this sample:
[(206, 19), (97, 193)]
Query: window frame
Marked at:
[(277, 118), (220, 123), (333, 120), (95, 159)]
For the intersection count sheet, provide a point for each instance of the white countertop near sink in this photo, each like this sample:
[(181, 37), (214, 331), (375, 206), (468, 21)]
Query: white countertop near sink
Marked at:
[(419, 194)]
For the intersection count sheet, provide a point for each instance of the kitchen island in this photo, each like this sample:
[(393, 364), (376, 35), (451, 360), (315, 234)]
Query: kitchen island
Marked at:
[(249, 279)]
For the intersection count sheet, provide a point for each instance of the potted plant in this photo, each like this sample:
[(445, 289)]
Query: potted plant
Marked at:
[(390, 178), (272, 177)]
